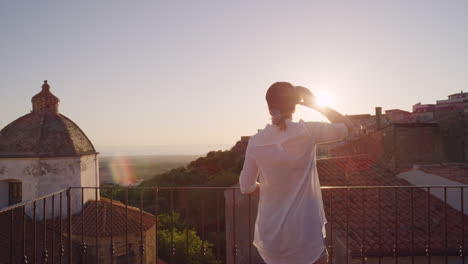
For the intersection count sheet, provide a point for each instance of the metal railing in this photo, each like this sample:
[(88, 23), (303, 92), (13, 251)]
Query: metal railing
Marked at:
[(366, 224)]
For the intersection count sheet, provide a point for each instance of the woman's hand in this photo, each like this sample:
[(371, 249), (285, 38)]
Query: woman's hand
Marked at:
[(308, 98)]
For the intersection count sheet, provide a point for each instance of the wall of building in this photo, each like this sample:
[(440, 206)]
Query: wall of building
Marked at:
[(89, 167), (3, 191), (104, 255), (414, 143), (26, 170), (371, 145), (398, 145), (43, 176), (453, 128)]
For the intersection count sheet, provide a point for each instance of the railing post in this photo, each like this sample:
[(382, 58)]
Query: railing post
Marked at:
[(112, 244), (380, 223), (12, 240), (347, 225), (69, 231), (331, 246), (462, 246), (84, 247), (142, 242), (412, 225), (53, 230), (171, 224), (96, 224), (45, 255), (234, 245), (34, 232), (363, 246), (428, 246), (156, 200), (62, 248), (25, 257)]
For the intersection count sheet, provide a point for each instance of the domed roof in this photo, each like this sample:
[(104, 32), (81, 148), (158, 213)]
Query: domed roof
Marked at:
[(44, 132)]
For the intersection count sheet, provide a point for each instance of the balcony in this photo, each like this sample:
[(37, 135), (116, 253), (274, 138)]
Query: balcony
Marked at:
[(366, 224)]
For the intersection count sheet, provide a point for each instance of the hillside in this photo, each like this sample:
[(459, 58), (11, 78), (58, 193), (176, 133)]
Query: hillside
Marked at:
[(217, 168)]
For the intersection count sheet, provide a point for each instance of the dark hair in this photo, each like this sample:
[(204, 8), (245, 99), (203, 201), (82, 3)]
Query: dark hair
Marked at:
[(282, 96)]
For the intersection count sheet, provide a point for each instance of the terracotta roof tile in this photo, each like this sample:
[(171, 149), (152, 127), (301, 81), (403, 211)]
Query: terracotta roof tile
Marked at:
[(107, 221), (377, 227), (118, 211), (453, 171)]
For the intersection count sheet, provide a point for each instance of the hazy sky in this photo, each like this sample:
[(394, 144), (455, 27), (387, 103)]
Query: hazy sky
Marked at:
[(195, 72)]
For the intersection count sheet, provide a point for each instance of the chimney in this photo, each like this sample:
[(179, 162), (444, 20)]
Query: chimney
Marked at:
[(378, 116)]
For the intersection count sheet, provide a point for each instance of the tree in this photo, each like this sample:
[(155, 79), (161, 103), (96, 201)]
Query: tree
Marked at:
[(182, 244)]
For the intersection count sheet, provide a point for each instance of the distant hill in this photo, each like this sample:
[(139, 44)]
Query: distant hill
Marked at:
[(196, 149), (217, 168), (129, 170)]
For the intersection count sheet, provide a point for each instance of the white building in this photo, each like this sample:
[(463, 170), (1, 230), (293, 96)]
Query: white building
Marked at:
[(44, 152)]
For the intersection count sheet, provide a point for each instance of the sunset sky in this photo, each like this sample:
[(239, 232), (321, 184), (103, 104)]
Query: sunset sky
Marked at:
[(196, 72)]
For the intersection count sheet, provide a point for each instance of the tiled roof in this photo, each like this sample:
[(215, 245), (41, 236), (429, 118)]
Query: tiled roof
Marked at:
[(44, 135), (359, 170), (453, 171), (117, 221), (44, 132), (118, 211), (377, 229)]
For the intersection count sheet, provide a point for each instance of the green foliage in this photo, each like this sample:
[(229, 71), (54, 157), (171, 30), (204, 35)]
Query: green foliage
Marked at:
[(165, 221), (216, 169), (187, 245)]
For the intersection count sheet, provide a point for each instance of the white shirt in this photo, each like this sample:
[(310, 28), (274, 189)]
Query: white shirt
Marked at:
[(290, 219)]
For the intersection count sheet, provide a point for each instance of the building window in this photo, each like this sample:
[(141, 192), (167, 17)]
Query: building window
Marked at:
[(15, 193)]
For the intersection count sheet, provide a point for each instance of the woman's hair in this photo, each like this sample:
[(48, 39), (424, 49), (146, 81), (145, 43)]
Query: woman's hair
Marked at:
[(282, 97)]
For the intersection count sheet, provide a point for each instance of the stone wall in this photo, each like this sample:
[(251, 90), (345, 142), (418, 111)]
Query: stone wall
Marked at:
[(415, 144), (453, 127)]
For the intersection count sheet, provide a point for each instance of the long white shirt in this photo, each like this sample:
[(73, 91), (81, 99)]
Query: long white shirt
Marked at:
[(290, 219)]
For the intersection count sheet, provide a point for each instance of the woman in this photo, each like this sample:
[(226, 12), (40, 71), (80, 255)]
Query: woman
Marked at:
[(290, 225)]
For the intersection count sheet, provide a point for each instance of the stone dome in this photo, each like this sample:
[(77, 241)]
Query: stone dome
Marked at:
[(44, 132)]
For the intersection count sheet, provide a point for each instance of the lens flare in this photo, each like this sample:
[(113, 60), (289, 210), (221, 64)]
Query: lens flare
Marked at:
[(122, 171)]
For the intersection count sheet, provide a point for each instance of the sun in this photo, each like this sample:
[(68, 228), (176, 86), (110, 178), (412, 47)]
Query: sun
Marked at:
[(323, 98)]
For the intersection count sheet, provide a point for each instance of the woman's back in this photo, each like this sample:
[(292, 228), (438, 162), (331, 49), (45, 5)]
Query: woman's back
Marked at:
[(290, 217)]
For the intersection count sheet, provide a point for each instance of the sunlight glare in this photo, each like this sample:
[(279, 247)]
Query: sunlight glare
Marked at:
[(323, 98)]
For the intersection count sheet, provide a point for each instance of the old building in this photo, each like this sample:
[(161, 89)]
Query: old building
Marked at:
[(126, 233), (43, 152), (398, 145), (397, 116), (455, 103)]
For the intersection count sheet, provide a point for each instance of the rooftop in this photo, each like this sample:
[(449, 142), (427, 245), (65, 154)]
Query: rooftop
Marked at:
[(119, 219), (382, 220), (44, 132), (453, 171)]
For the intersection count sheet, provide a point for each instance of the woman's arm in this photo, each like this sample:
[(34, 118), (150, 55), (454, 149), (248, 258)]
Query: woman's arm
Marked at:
[(249, 175), (332, 115)]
